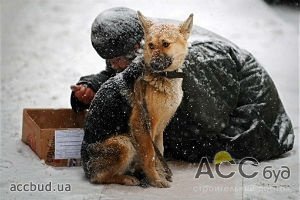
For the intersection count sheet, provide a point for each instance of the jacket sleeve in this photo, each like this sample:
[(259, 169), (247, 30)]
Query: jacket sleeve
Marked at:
[(94, 82), (109, 111)]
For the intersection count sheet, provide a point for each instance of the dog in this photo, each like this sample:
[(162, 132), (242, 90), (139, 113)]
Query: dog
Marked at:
[(158, 93), (155, 99)]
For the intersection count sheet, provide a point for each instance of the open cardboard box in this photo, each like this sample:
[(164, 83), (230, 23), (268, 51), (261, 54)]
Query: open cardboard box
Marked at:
[(55, 135)]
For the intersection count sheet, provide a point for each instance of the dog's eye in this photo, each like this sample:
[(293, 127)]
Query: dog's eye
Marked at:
[(165, 44), (151, 45)]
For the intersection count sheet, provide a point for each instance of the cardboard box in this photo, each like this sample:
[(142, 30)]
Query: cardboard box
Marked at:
[(54, 135)]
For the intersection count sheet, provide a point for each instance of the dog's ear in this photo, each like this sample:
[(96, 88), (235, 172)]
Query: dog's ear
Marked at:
[(186, 27), (146, 23)]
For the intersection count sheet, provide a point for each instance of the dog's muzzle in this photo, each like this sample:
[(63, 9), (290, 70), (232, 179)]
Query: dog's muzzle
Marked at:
[(159, 63)]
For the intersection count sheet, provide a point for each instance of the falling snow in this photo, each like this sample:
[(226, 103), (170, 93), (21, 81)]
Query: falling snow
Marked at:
[(46, 48)]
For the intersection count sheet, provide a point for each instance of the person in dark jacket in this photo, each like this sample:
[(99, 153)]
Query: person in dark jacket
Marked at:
[(116, 36), (230, 102)]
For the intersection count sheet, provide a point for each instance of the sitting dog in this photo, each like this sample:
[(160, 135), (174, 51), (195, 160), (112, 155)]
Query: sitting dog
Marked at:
[(158, 93), (156, 97)]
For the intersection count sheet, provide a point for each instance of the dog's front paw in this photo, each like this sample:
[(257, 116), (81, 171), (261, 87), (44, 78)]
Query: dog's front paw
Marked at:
[(131, 181), (160, 183)]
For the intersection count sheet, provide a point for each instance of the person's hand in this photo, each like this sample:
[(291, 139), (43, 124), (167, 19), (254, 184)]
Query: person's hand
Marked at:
[(83, 93)]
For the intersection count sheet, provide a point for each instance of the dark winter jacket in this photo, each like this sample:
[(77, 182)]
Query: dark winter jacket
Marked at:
[(230, 103)]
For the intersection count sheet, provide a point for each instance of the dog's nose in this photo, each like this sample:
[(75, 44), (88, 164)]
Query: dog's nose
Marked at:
[(160, 62), (156, 53)]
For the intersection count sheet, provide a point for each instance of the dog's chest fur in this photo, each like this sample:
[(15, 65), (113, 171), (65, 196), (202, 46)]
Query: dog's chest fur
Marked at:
[(162, 96)]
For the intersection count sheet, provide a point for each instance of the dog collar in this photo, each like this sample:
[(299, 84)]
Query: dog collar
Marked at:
[(170, 74)]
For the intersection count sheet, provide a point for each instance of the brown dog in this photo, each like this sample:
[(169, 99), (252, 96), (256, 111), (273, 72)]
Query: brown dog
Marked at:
[(157, 94)]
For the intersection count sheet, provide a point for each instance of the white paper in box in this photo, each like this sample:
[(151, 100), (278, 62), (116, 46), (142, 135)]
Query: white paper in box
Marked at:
[(68, 143)]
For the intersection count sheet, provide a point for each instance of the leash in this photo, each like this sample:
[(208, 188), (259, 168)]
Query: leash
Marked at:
[(147, 126), (145, 112)]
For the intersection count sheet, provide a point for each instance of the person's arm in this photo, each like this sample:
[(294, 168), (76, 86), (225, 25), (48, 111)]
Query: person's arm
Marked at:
[(84, 91), (110, 110), (95, 81)]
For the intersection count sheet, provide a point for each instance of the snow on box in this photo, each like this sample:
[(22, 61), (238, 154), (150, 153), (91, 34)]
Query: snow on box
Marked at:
[(55, 135)]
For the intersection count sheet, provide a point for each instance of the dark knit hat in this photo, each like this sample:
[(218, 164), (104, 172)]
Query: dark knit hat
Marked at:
[(115, 32)]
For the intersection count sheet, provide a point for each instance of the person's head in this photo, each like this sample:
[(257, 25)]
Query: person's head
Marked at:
[(116, 34)]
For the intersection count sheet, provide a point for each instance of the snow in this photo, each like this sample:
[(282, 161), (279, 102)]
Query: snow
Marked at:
[(46, 47)]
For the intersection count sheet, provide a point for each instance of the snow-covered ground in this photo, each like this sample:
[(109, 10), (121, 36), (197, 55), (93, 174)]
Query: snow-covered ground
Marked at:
[(46, 48)]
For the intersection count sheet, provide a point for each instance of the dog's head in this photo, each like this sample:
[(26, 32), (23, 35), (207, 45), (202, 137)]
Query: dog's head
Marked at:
[(165, 44)]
